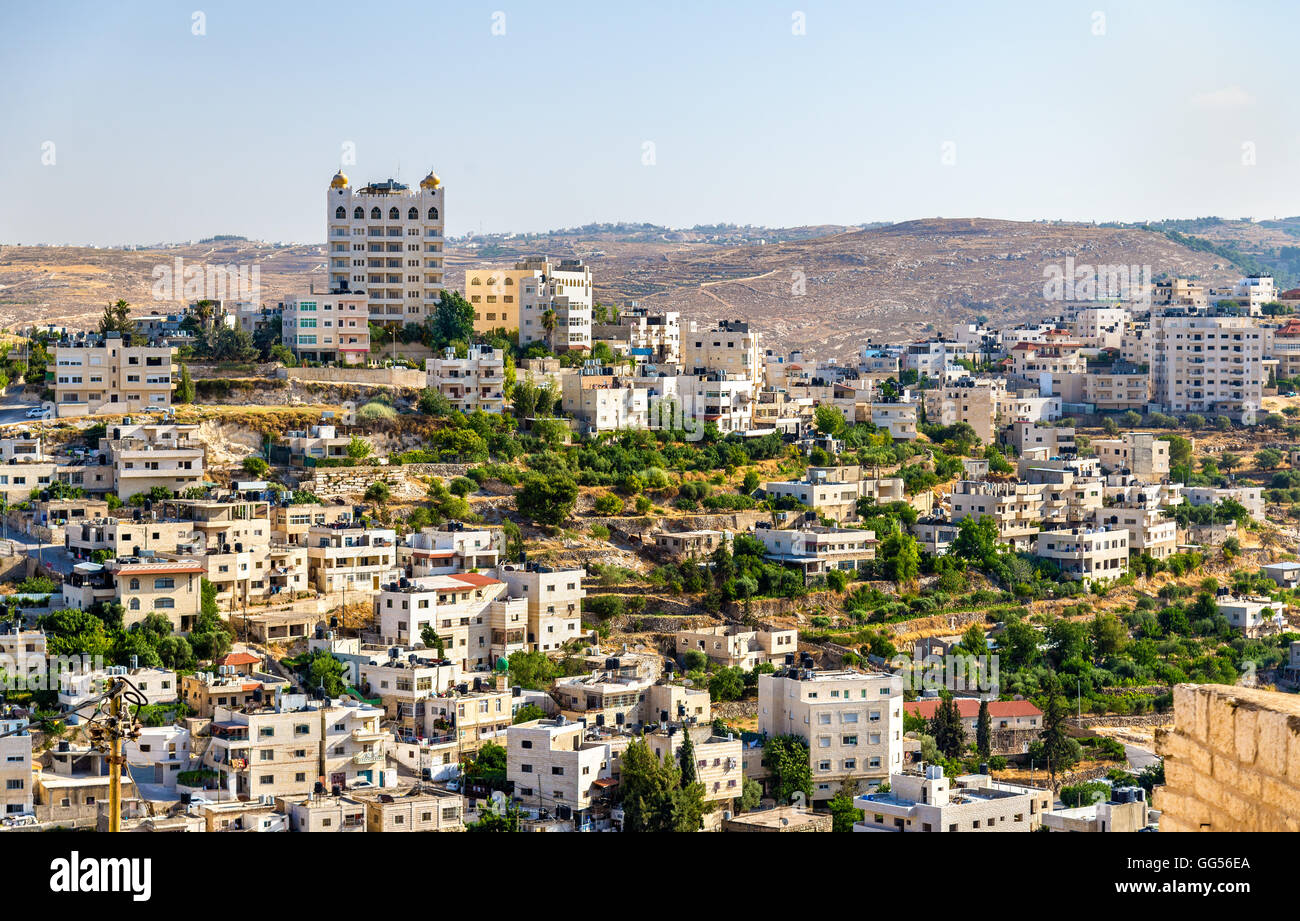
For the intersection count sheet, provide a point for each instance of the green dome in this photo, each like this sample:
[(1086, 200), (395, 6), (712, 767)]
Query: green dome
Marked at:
[(503, 664)]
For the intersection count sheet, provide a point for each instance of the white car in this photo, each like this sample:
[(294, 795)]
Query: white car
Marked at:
[(37, 412), (361, 785)]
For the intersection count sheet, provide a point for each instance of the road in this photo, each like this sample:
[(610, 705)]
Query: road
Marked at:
[(1139, 758), (52, 556), (13, 407)]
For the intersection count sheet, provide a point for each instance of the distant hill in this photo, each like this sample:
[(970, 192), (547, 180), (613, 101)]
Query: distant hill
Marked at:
[(882, 282)]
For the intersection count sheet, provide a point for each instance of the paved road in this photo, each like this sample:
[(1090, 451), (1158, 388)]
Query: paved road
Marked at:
[(13, 407), (52, 556), (1138, 758)]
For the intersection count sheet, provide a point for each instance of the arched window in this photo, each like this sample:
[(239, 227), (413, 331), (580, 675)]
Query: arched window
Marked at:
[(433, 214), (162, 604), (135, 604), (358, 213), (375, 214), (394, 214), (135, 585), (475, 280), (509, 281), (340, 213), (413, 214)]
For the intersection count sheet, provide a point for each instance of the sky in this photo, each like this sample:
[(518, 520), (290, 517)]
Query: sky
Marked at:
[(163, 122)]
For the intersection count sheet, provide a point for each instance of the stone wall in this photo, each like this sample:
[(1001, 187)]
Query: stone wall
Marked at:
[(386, 377), (1232, 761), (336, 482)]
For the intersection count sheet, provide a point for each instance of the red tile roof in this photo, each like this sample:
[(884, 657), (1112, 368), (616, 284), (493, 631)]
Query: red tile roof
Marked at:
[(473, 578), (969, 708), (238, 658)]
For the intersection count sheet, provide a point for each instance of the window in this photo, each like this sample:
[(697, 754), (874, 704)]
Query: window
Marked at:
[(163, 604), (433, 214)]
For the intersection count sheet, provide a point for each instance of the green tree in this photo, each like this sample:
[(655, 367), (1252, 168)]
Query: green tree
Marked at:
[(185, 387), (323, 670), (900, 558), (946, 726), (686, 758), (843, 813), (1058, 748), (453, 319), (829, 420), (789, 771), (255, 466), (984, 731), (547, 500), (527, 713)]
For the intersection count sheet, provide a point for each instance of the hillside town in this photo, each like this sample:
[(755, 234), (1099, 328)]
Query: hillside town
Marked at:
[(388, 556)]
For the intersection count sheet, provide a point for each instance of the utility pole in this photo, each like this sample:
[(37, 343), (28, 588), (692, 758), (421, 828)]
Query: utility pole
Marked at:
[(114, 764), (109, 737)]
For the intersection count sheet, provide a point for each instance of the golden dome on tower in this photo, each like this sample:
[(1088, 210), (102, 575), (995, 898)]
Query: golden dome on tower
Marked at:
[(431, 181), (339, 181)]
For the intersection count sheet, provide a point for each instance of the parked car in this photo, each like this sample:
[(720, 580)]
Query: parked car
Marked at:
[(38, 412)]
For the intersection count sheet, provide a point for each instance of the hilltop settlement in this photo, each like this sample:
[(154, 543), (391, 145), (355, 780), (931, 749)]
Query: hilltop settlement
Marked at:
[(385, 556)]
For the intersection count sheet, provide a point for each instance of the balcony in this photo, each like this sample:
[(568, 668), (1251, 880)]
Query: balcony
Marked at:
[(368, 734)]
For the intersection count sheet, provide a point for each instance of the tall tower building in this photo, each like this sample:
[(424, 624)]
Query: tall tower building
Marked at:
[(386, 242)]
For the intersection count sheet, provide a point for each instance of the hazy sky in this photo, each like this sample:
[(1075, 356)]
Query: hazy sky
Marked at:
[(879, 111)]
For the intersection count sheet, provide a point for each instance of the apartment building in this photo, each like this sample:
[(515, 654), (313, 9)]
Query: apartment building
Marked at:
[(470, 714), (146, 456), (718, 763), (1017, 508), (604, 402), (733, 646), (284, 750), (1207, 365), (728, 346), (1069, 498), (385, 242), (1057, 367), (1118, 386), (233, 541), (1142, 454), (448, 549), (1150, 530), (1099, 327), (1086, 553), (204, 692), (15, 766), (1254, 617), (418, 809), (318, 812), (834, 500), (650, 337), (456, 607), (327, 327), (291, 523), (980, 402), (930, 803), (475, 383), (1252, 497), (897, 418), (554, 598), (554, 766), (102, 374), (852, 722), (345, 556), (117, 537), (545, 301), (936, 359), (816, 550)]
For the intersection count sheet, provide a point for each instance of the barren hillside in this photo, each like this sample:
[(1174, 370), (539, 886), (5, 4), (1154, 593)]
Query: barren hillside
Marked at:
[(881, 283)]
